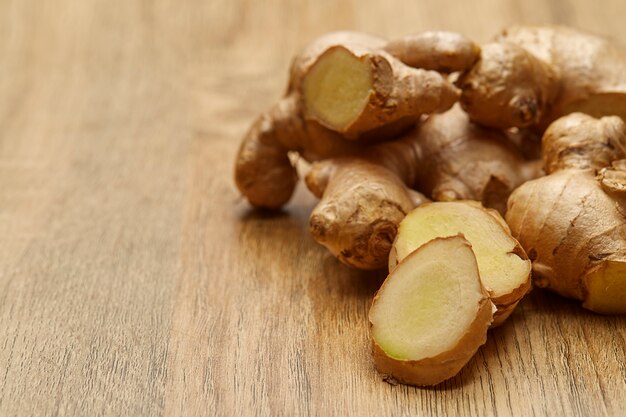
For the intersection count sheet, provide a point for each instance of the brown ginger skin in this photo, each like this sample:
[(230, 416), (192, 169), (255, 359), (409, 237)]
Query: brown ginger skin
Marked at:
[(263, 172), (389, 98), (571, 222), (437, 51), (530, 76), (364, 197), (362, 203)]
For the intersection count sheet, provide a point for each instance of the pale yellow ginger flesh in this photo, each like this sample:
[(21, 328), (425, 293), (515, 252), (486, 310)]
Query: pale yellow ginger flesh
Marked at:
[(431, 314), (607, 289), (412, 316), (503, 265), (337, 88)]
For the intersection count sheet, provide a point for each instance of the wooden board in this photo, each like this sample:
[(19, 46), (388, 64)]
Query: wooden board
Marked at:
[(135, 281)]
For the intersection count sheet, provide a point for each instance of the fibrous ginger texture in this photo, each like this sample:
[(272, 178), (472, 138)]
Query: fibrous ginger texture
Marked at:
[(530, 76), (503, 265), (365, 196), (431, 314), (571, 222), (345, 90)]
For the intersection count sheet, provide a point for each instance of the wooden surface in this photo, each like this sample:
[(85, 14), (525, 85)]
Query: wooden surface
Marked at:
[(135, 281)]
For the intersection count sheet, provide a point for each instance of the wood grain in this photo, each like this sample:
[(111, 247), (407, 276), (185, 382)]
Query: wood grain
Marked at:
[(135, 281)]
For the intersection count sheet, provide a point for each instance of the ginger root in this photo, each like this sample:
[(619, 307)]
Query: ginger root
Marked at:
[(437, 51), (351, 85), (572, 221), (530, 76), (346, 90), (503, 265), (365, 196), (431, 314)]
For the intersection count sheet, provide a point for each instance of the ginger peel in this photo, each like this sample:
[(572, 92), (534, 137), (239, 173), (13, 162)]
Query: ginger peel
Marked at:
[(571, 222), (364, 197), (532, 75), (346, 90)]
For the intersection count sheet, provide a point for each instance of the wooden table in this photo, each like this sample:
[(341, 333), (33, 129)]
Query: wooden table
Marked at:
[(135, 281)]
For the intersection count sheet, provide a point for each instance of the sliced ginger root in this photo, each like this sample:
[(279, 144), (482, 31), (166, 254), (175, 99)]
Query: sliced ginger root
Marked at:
[(503, 264), (337, 88), (346, 90), (354, 89), (431, 314), (572, 221)]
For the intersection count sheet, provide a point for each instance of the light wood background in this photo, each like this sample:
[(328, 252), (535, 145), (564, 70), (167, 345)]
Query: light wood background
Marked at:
[(135, 281)]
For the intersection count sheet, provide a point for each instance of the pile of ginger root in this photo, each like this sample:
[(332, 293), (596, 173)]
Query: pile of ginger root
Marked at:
[(464, 169)]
